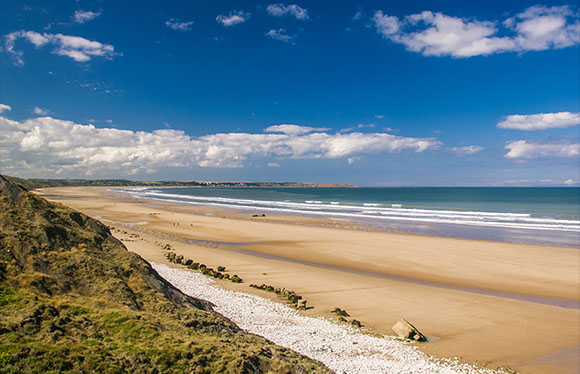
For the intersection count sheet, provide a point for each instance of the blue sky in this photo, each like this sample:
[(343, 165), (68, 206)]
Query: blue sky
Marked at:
[(367, 92)]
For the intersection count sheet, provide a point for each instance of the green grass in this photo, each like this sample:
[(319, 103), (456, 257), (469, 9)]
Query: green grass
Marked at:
[(74, 300)]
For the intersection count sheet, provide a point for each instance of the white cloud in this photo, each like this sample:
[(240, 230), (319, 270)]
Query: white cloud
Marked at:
[(178, 26), (516, 181), (281, 10), (5, 108), (385, 24), (46, 146), (233, 18), (82, 16), (359, 126), (540, 121), (567, 182), (357, 16), (437, 34), (40, 111), (466, 151), (379, 116), (521, 149), (540, 28), (75, 47), (280, 35), (294, 129), (273, 165)]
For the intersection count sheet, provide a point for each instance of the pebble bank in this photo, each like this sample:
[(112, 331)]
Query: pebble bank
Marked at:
[(341, 348)]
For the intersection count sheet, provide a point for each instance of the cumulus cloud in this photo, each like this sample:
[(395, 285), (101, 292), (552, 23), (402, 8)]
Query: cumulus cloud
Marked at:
[(75, 47), (436, 34), (5, 108), (466, 151), (82, 16), (280, 35), (540, 28), (542, 121), (385, 24), (178, 26), (40, 111), (522, 149), (233, 18), (281, 10), (46, 146)]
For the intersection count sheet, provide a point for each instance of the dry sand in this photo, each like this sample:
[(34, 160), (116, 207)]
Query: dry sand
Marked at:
[(482, 301)]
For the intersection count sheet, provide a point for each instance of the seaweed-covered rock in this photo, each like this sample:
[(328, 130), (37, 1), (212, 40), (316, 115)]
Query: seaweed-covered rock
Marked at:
[(236, 279)]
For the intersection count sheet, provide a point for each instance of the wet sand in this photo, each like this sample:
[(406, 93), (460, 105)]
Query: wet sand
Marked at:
[(481, 301)]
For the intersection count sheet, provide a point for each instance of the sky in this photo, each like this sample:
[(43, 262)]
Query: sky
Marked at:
[(373, 93)]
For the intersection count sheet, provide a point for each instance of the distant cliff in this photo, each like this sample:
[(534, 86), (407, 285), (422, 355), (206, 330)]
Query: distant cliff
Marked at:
[(44, 183), (73, 299)]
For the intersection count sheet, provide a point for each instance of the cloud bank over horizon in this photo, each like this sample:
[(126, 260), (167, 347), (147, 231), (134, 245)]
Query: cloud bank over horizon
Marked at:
[(44, 146)]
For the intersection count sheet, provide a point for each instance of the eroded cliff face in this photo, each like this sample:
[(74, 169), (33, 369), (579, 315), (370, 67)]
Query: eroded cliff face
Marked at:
[(72, 298)]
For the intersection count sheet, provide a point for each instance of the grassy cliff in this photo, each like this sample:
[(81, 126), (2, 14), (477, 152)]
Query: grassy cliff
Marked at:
[(73, 299)]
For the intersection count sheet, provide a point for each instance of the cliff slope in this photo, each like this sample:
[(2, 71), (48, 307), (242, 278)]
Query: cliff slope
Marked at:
[(73, 299)]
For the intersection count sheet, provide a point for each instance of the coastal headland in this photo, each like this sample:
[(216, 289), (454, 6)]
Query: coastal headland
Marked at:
[(501, 304)]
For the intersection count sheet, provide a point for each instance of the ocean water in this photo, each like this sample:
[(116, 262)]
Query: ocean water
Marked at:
[(536, 215)]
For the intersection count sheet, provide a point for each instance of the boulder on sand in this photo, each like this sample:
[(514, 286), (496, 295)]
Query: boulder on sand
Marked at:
[(407, 331)]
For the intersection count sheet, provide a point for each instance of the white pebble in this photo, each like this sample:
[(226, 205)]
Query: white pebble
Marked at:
[(340, 347)]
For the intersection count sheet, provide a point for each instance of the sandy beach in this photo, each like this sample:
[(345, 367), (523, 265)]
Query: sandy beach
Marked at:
[(499, 304)]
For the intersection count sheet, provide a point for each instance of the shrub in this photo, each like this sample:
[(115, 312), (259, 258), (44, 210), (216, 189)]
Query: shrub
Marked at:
[(221, 268)]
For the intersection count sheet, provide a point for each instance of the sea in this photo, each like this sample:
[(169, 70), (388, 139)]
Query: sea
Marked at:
[(532, 215)]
